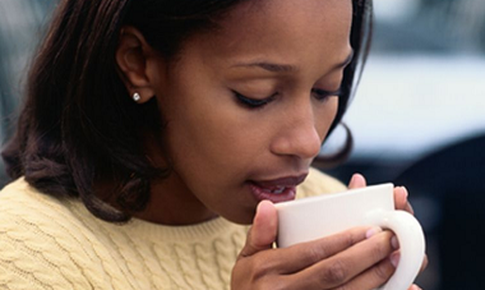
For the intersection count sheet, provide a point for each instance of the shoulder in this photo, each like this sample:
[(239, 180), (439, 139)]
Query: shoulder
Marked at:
[(42, 244), (26, 207), (318, 183), (19, 196)]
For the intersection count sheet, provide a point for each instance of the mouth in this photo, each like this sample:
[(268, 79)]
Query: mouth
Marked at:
[(276, 190)]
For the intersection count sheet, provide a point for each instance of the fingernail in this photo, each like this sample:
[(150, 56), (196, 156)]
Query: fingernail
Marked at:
[(371, 232), (395, 259), (405, 191), (394, 243)]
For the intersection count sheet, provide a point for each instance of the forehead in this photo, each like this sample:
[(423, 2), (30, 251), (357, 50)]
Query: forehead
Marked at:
[(282, 28)]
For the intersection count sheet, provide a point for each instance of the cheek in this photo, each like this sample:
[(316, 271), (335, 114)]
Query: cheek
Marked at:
[(205, 137), (204, 130), (325, 117)]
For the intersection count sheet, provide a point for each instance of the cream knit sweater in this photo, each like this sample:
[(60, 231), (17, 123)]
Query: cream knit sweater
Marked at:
[(49, 243)]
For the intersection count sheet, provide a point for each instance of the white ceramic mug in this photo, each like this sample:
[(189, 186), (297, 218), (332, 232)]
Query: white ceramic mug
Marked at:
[(316, 217)]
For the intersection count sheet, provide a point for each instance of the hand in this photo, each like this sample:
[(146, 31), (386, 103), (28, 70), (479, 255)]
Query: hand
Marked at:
[(401, 203), (356, 259)]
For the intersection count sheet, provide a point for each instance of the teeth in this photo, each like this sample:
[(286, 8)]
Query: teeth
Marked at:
[(278, 190), (275, 190)]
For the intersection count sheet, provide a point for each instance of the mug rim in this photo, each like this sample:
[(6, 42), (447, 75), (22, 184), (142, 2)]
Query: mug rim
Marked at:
[(334, 195)]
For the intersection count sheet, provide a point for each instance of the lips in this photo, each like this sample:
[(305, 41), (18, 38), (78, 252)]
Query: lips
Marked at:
[(276, 190)]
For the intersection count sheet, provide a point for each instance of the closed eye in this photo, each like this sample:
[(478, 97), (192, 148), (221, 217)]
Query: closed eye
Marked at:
[(323, 95), (253, 103)]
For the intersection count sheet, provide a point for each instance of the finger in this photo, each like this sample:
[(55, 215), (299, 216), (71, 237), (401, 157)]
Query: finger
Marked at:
[(415, 287), (357, 181), (409, 208), (262, 234), (401, 199), (396, 256), (307, 254), (349, 264), (401, 195), (424, 264), (373, 277)]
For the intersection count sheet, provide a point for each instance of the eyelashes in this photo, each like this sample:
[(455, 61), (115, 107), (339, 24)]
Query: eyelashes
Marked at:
[(252, 103), (322, 95)]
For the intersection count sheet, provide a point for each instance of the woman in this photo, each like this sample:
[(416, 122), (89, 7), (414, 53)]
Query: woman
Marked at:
[(152, 129)]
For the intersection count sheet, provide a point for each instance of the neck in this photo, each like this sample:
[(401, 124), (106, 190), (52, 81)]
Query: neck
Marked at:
[(172, 203)]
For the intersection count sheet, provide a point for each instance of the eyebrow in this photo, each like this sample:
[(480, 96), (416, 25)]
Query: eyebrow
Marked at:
[(272, 67), (279, 68)]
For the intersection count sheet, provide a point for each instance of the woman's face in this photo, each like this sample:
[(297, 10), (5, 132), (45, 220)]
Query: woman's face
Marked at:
[(248, 106)]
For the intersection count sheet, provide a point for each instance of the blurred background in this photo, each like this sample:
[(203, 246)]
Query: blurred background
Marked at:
[(22, 25), (418, 118)]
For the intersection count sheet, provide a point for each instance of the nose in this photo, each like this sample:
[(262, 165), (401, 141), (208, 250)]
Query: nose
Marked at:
[(298, 136)]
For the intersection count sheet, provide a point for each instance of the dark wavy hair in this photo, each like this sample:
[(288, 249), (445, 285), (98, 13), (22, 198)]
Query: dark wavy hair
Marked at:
[(78, 126)]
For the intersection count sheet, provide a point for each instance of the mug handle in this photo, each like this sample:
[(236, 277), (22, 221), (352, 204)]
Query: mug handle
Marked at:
[(412, 245)]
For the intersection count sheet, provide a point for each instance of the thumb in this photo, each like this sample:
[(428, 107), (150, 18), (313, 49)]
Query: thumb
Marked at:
[(357, 181), (262, 234)]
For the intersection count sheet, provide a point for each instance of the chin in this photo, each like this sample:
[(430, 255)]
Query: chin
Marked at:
[(242, 219)]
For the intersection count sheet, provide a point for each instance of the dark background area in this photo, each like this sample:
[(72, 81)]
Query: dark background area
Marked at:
[(418, 118)]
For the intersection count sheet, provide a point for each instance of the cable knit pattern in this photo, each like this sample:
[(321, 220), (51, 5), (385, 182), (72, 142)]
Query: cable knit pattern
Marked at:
[(49, 243)]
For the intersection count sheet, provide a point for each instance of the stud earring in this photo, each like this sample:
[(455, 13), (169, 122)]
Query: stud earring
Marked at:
[(136, 97)]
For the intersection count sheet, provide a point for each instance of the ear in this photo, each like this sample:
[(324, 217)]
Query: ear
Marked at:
[(133, 57)]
